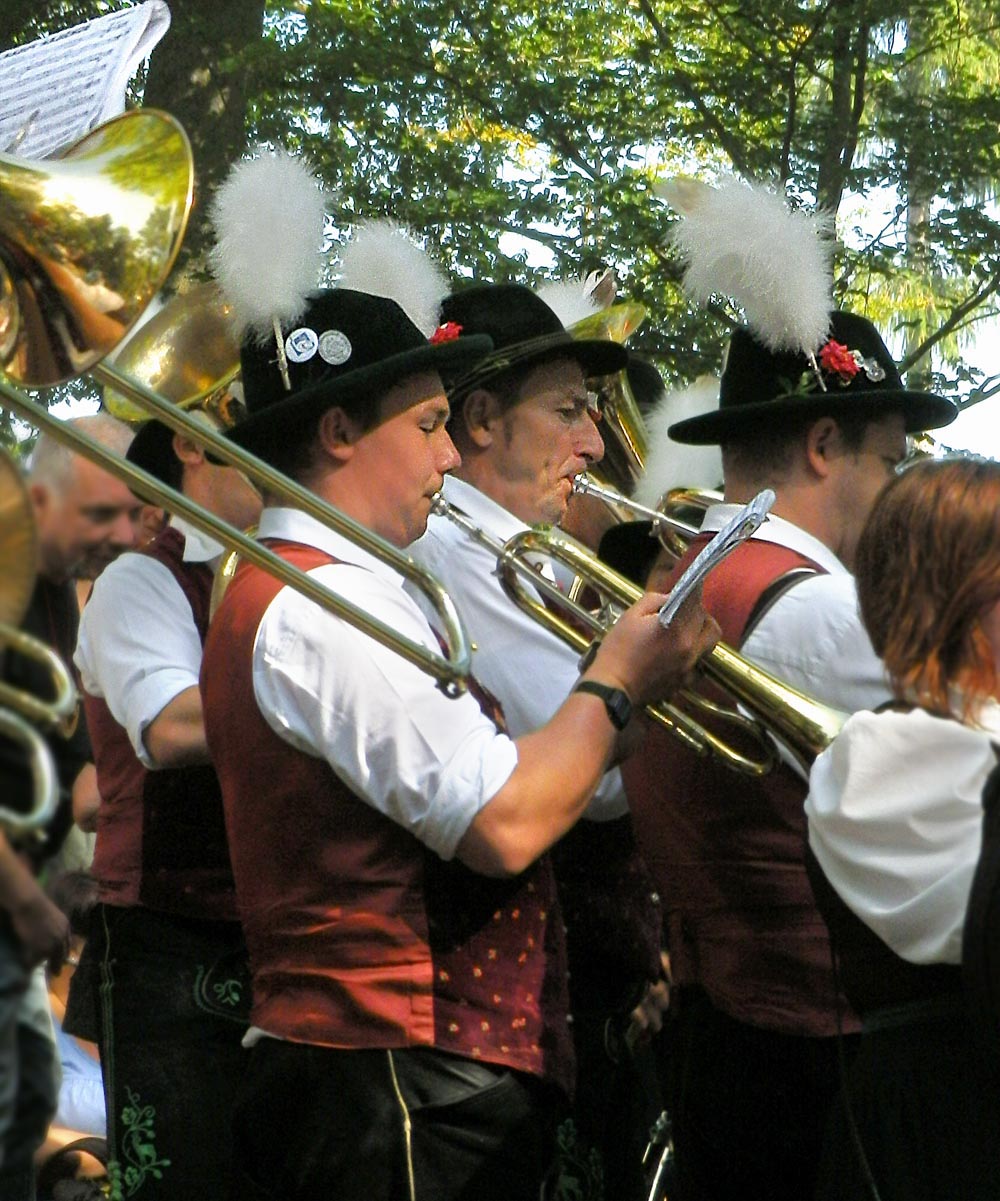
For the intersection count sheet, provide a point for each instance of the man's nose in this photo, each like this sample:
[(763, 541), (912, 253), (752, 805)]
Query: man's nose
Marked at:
[(122, 532), (591, 444)]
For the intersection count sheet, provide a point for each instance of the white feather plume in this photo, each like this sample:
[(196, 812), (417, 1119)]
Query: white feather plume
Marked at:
[(268, 218), (742, 240), (671, 464), (571, 300), (382, 259)]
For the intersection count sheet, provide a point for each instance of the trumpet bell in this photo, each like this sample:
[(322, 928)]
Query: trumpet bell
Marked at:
[(86, 241), (186, 352)]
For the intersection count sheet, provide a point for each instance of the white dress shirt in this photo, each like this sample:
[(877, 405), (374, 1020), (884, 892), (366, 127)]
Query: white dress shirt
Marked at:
[(895, 821), (812, 636), (425, 760), (138, 645), (528, 669)]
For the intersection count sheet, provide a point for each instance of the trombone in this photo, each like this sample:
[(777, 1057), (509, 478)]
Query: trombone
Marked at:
[(21, 712), (58, 319), (804, 726)]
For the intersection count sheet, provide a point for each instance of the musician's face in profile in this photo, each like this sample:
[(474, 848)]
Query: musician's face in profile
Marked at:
[(549, 436), (400, 463), (862, 474)]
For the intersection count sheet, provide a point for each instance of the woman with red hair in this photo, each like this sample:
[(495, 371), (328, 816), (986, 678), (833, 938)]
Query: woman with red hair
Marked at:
[(895, 830)]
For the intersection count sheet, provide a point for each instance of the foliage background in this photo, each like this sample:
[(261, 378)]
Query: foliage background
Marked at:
[(521, 141)]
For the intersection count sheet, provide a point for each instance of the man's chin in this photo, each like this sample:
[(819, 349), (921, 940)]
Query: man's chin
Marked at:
[(92, 566)]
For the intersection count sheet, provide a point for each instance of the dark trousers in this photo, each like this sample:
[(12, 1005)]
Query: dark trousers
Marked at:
[(28, 1075), (925, 1106), (749, 1106), (600, 1144), (173, 994), (316, 1123)]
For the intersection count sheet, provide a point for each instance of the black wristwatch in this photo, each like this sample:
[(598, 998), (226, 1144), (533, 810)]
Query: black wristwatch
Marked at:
[(616, 702)]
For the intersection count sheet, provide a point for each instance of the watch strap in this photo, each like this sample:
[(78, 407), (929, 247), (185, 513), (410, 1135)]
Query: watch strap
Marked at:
[(616, 701)]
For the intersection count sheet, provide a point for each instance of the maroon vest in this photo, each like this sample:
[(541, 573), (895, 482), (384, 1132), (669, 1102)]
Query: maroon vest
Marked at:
[(359, 936), (161, 839), (727, 851)]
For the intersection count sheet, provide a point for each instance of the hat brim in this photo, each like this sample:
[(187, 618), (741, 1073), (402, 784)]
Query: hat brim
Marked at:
[(920, 410), (595, 356), (256, 432)]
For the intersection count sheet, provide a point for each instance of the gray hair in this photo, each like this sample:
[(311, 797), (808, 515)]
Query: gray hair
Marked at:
[(53, 463)]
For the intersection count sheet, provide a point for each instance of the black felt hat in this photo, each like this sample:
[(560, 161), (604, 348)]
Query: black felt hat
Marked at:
[(152, 449), (524, 331), (761, 388), (347, 348)]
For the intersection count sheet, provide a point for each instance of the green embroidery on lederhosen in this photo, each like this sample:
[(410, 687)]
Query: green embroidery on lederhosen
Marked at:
[(223, 988), (139, 1158), (579, 1171)]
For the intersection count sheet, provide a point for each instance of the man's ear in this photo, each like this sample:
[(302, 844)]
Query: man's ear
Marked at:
[(823, 445), (41, 495), (337, 433), (187, 450), (480, 413)]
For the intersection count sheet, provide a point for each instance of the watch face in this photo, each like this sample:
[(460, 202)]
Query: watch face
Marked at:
[(619, 707)]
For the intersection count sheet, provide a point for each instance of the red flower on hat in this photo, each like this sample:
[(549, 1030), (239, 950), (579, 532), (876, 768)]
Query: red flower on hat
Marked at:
[(834, 356), (445, 333)]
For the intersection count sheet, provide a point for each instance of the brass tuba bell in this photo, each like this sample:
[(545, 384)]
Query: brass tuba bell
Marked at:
[(622, 426), (86, 240), (186, 352)]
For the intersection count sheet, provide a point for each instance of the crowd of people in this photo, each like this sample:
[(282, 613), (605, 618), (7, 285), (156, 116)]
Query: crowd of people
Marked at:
[(352, 936)]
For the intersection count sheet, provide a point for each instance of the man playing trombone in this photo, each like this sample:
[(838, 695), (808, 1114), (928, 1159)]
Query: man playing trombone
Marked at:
[(389, 841)]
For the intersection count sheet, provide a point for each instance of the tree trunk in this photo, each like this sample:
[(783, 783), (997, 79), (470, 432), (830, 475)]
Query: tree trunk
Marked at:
[(196, 73)]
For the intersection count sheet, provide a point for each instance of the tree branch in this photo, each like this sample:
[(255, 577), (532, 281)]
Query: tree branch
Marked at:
[(958, 314)]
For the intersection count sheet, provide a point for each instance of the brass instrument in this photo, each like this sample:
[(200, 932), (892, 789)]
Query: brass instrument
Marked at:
[(42, 337), (186, 353), (622, 424), (19, 709), (804, 726), (669, 519), (86, 241)]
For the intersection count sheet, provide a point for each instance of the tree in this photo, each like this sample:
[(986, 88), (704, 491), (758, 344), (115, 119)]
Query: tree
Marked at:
[(523, 140)]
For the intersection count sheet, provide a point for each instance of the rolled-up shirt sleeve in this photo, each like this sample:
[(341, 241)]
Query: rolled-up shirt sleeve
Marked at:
[(138, 646), (427, 761)]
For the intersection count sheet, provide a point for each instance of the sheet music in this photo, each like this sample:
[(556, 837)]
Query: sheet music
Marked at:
[(60, 87), (737, 530)]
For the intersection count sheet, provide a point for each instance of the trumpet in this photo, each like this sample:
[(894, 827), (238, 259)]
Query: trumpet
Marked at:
[(804, 726), (55, 324)]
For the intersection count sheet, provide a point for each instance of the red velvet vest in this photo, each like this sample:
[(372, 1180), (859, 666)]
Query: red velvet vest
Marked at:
[(727, 851), (359, 936), (161, 839)]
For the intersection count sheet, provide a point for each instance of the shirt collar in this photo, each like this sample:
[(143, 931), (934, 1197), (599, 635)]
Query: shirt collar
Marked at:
[(292, 525), (198, 547), (482, 509), (780, 532)]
